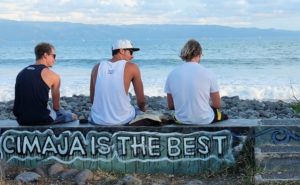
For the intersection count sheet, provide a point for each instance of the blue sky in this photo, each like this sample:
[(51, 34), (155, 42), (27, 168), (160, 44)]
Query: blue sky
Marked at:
[(278, 14)]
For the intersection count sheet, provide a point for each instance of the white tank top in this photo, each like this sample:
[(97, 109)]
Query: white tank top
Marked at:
[(111, 104)]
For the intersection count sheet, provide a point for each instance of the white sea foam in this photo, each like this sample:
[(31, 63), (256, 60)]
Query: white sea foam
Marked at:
[(246, 91)]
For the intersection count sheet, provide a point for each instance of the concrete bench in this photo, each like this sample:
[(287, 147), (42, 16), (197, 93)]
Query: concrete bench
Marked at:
[(174, 149)]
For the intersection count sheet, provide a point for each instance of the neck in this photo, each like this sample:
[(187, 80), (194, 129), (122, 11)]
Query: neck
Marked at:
[(116, 58), (41, 62)]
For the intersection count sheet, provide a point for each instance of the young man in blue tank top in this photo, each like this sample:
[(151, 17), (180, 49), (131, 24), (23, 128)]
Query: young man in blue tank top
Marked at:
[(32, 88), (110, 81)]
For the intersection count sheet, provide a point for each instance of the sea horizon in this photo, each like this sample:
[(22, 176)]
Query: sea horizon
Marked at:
[(250, 66)]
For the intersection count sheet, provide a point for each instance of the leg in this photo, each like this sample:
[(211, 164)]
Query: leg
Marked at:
[(63, 116)]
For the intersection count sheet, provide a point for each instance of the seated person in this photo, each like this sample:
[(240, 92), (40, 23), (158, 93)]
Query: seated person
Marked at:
[(32, 91), (110, 81), (190, 87)]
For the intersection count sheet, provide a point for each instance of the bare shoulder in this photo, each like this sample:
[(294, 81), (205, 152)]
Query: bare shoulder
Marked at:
[(131, 67), (49, 74), (95, 68)]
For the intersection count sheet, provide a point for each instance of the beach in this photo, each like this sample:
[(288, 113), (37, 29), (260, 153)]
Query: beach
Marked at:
[(234, 107)]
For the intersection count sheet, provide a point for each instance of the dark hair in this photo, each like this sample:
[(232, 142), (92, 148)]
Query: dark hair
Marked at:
[(190, 50), (115, 51), (42, 48)]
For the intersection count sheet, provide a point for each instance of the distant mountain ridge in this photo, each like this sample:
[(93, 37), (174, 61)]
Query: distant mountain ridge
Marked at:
[(24, 30)]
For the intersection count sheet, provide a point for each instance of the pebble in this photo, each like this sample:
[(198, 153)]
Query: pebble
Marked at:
[(234, 107), (27, 177), (129, 180), (83, 176), (55, 169)]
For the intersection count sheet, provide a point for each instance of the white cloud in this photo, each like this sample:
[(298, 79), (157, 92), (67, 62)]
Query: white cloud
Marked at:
[(252, 13)]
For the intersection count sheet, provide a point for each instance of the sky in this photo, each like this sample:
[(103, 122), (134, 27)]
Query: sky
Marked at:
[(277, 14)]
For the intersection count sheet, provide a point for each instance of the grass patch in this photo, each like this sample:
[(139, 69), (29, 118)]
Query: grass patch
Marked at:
[(296, 107)]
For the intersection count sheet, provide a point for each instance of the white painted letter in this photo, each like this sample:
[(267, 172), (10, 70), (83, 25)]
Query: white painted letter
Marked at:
[(187, 146), (219, 140), (103, 148), (152, 146), (123, 140), (79, 147), (205, 151), (4, 144), (65, 150), (173, 147), (29, 146), (134, 146), (51, 146)]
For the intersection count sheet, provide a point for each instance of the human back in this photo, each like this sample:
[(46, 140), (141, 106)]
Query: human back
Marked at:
[(110, 82), (111, 105), (191, 85), (32, 88), (192, 90)]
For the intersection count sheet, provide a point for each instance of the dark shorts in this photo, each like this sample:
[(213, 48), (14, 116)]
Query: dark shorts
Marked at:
[(219, 116)]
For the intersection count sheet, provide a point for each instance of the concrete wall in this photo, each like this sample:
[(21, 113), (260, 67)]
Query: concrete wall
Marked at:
[(175, 149)]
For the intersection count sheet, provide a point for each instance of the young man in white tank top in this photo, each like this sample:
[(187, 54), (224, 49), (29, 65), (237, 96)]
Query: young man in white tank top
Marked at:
[(109, 86)]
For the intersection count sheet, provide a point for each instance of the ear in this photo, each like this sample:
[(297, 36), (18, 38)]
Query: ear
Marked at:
[(122, 51)]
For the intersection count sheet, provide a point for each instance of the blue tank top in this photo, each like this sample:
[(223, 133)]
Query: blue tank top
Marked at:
[(31, 97)]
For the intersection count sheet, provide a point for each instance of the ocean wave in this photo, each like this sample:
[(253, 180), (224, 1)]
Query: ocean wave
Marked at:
[(259, 92)]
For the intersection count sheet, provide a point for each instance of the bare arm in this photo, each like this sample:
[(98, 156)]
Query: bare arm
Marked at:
[(133, 75), (56, 93), (170, 102), (138, 86), (93, 82), (215, 100), (53, 81)]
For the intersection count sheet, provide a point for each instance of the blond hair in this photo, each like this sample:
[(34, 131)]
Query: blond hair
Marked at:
[(190, 50)]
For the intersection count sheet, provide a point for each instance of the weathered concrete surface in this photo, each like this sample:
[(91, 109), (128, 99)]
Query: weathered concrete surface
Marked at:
[(277, 151), (175, 149)]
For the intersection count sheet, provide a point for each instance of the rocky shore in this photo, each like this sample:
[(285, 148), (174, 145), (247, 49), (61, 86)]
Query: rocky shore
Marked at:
[(60, 174), (234, 107)]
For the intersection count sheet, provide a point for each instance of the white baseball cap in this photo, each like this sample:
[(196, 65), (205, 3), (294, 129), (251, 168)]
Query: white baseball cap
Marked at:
[(124, 44)]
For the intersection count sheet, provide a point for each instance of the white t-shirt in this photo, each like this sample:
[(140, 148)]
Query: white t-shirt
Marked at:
[(111, 104), (190, 85)]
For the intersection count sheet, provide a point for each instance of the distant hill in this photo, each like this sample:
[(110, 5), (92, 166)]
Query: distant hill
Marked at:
[(22, 31)]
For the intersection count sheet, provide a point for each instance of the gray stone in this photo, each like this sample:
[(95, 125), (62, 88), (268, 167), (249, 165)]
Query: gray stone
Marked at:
[(130, 180), (195, 182), (83, 176), (108, 181), (69, 173), (55, 169), (41, 170), (27, 177)]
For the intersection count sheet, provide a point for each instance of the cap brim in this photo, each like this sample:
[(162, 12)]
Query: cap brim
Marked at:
[(135, 49)]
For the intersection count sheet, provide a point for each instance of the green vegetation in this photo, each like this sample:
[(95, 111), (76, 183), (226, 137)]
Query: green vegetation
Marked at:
[(296, 107)]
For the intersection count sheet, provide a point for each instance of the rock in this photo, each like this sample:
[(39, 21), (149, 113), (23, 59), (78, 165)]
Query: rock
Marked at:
[(195, 182), (69, 173), (109, 180), (41, 170), (55, 169), (27, 177), (83, 176), (233, 106), (130, 180)]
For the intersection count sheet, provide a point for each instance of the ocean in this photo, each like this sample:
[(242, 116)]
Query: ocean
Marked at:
[(251, 68)]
